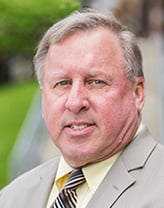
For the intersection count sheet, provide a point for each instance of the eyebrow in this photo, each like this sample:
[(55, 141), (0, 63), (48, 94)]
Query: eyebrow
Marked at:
[(99, 73), (58, 74), (55, 75), (95, 73)]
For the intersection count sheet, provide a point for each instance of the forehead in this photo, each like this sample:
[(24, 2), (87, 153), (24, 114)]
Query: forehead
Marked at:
[(87, 48), (93, 34)]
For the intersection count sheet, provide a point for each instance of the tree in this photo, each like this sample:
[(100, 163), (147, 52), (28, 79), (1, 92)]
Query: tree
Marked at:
[(22, 23)]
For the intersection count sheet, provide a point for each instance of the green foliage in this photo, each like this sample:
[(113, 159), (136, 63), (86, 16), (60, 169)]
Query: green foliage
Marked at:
[(22, 23), (15, 99)]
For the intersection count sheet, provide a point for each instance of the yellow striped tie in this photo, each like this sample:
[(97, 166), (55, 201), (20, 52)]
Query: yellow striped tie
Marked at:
[(67, 198)]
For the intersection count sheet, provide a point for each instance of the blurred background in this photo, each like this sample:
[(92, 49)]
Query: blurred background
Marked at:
[(24, 140)]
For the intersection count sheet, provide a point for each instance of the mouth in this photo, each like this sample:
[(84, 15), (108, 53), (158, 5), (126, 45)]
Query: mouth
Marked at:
[(79, 127)]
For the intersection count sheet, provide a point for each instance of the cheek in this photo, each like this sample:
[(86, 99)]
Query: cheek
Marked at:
[(53, 108), (51, 115), (49, 102), (45, 110), (109, 114), (49, 109), (116, 110)]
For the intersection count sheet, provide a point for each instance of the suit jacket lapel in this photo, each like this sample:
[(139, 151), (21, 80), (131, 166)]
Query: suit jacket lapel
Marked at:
[(138, 151), (119, 179), (114, 184)]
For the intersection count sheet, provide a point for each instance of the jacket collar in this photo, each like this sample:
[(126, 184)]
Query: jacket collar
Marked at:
[(138, 151)]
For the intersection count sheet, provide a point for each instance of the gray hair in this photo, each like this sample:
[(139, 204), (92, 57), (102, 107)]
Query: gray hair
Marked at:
[(88, 19)]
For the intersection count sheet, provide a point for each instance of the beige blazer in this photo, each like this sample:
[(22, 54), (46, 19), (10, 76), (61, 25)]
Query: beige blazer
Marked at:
[(136, 180)]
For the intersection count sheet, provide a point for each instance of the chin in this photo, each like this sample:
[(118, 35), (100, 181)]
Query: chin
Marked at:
[(77, 161)]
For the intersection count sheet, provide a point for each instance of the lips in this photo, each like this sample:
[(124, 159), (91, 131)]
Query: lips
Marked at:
[(78, 126)]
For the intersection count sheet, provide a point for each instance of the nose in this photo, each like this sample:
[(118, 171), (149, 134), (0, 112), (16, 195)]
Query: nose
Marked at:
[(77, 99)]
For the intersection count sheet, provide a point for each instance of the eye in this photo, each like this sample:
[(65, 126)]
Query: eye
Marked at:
[(96, 82), (63, 83)]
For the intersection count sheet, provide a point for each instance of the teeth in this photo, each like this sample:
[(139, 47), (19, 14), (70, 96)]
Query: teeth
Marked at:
[(78, 127)]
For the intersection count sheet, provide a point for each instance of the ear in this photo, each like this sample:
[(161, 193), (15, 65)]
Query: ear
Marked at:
[(139, 93)]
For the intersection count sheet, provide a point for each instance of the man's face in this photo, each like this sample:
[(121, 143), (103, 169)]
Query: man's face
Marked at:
[(90, 108)]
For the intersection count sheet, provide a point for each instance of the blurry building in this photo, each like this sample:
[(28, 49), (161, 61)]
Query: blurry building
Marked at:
[(143, 17)]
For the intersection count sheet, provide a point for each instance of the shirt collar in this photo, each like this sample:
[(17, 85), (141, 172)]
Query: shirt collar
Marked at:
[(89, 171), (100, 169), (62, 173)]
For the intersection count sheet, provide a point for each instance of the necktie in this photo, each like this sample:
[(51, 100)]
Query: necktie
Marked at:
[(67, 198)]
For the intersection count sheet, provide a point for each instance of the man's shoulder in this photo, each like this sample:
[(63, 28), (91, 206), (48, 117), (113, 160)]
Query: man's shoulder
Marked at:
[(39, 171), (30, 186)]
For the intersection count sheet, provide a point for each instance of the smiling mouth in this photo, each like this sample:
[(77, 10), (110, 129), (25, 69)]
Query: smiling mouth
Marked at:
[(79, 127)]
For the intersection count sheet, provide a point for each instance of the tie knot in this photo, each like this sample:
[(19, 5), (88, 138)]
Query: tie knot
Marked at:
[(75, 179)]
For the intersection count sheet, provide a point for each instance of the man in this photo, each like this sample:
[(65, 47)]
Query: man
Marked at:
[(89, 69)]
